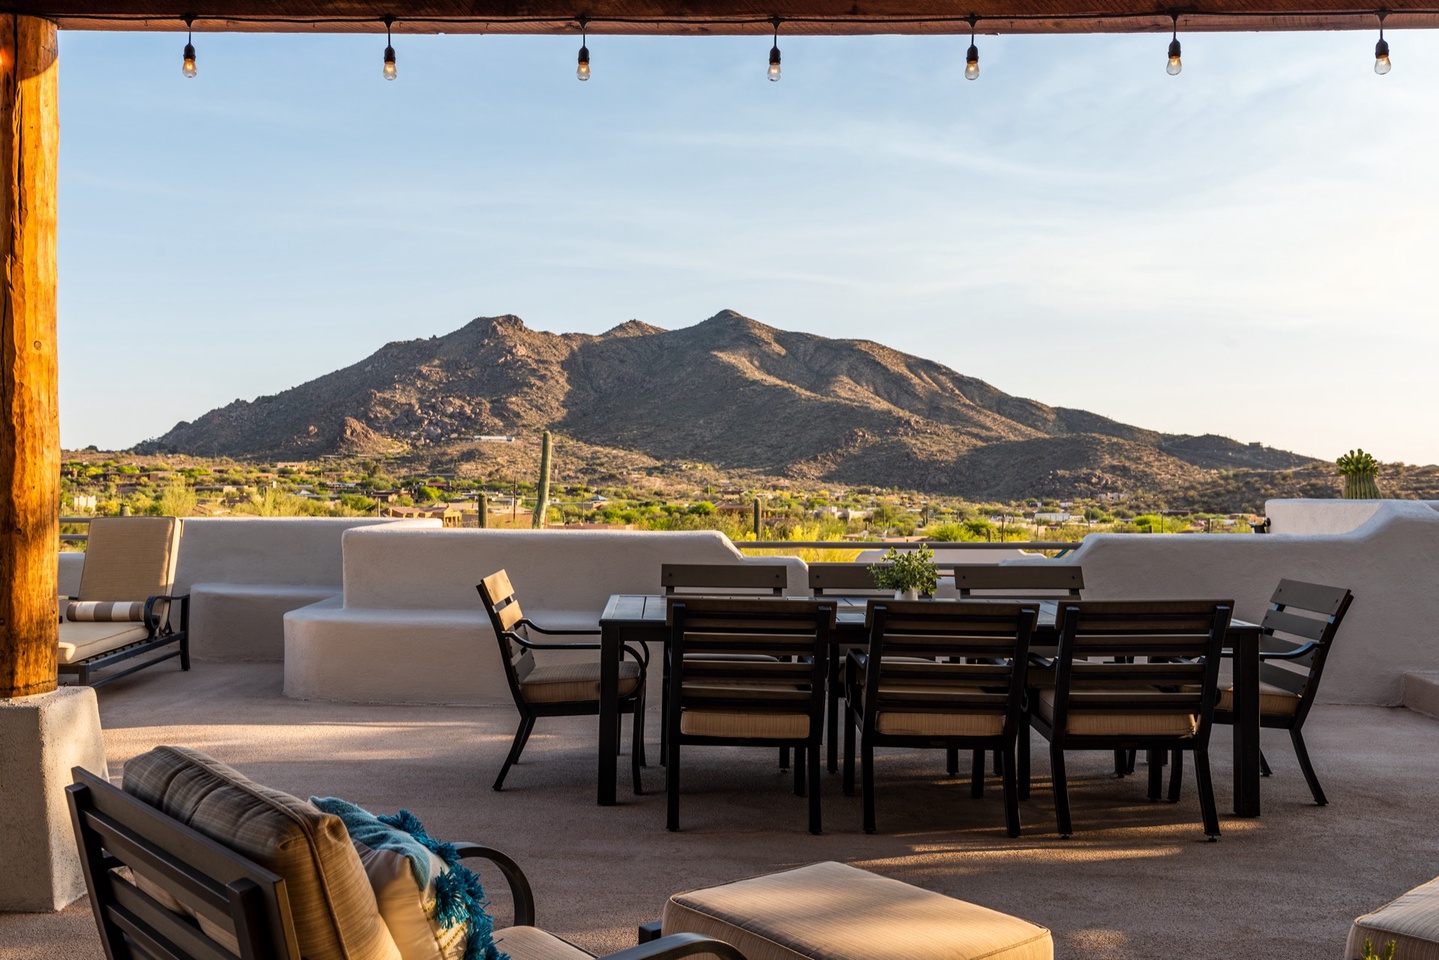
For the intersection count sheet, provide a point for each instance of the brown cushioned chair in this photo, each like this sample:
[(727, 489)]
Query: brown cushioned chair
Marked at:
[(756, 678), (558, 689), (193, 861), (1299, 628), (122, 610), (939, 675), (1156, 692)]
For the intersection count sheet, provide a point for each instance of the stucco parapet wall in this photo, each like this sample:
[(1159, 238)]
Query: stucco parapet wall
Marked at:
[(1390, 562), (566, 572)]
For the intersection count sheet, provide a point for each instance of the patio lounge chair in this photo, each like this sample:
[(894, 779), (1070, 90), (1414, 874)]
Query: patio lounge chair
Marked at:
[(123, 608), (560, 689), (1299, 629), (218, 867)]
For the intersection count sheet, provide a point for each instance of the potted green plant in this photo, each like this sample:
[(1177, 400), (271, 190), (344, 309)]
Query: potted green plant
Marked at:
[(1359, 470), (908, 573)]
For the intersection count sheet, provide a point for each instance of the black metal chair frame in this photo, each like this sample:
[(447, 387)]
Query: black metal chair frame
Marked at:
[(913, 645), (791, 636), (1179, 643), (1328, 605), (114, 829), (162, 634), (507, 620)]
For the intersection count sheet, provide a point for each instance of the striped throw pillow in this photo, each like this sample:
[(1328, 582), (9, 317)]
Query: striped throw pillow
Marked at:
[(91, 610)]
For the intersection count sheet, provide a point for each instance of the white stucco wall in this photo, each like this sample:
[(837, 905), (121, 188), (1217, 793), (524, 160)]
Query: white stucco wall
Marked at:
[(1390, 562), (1319, 516)]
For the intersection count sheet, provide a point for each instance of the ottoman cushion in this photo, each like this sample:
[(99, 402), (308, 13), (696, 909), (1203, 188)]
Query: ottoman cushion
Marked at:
[(1412, 921), (838, 912)]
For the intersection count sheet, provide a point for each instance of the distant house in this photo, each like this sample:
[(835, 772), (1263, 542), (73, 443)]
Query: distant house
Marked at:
[(449, 514)]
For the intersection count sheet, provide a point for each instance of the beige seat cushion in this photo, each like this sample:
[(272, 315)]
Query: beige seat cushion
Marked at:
[(571, 682), (896, 724), (741, 724), (81, 641), (838, 912), (334, 909), (528, 943), (1273, 701), (1119, 723), (1411, 921)]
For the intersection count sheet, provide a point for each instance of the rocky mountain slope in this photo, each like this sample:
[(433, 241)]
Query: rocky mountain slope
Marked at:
[(729, 392)]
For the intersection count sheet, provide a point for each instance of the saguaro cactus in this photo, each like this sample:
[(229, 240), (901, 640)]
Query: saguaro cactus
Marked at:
[(542, 503), (484, 507), (1359, 470), (757, 520)]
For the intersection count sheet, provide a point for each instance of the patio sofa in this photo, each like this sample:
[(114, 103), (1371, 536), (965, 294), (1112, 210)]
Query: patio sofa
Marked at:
[(409, 626), (1410, 921)]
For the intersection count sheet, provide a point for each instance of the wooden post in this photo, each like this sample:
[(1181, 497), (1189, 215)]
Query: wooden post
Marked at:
[(29, 400)]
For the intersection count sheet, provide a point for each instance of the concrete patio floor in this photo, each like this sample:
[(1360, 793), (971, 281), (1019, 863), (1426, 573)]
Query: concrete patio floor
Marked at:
[(1137, 879)]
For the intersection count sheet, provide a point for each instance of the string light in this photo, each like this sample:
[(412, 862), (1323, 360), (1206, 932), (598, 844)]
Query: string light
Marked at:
[(390, 72), (1381, 50), (971, 59), (583, 70), (774, 53), (1174, 63), (188, 67)]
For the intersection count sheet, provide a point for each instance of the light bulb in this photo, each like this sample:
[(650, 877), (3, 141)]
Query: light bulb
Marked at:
[(189, 67), (390, 71), (583, 70), (971, 63), (1381, 57), (1174, 64), (774, 62)]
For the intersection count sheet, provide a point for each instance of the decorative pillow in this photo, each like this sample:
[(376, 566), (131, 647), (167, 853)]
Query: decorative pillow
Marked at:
[(81, 611), (433, 905)]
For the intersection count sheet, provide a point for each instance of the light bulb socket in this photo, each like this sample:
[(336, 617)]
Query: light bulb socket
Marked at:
[(390, 56), (1381, 49), (584, 56), (1174, 49), (972, 56), (189, 52), (774, 55)]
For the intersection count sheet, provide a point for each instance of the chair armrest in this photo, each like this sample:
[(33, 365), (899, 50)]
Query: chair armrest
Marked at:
[(529, 644), (675, 946), (1300, 651), (184, 600), (575, 633), (520, 890)]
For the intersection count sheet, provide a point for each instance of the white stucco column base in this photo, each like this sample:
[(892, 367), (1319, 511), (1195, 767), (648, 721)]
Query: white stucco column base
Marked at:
[(41, 738)]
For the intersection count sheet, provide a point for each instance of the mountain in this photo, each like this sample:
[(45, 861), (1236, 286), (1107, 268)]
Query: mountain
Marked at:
[(730, 393)]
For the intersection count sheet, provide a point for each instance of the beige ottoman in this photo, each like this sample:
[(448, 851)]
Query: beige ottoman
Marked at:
[(1412, 921), (838, 912)]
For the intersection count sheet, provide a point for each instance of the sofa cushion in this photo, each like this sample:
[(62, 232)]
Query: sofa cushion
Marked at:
[(838, 912), (333, 906), (1411, 921)]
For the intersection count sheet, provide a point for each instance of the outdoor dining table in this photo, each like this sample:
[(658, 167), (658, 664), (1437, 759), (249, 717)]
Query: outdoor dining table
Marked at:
[(637, 618)]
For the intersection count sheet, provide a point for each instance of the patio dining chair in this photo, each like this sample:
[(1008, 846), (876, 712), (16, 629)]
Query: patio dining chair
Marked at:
[(567, 689), (756, 679), (1298, 629), (122, 610), (1132, 675), (939, 675)]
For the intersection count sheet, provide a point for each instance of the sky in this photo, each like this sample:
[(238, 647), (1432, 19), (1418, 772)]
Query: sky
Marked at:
[(1247, 249)]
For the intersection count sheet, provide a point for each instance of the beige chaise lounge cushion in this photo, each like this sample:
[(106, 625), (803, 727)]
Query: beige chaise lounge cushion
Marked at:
[(529, 943), (334, 908), (129, 558), (838, 912), (80, 641), (1411, 921)]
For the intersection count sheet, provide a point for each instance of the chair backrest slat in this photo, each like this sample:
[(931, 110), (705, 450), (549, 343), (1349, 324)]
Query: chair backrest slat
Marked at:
[(1316, 597), (1167, 651), (1284, 677), (1311, 612), (701, 577), (973, 658), (761, 627), (844, 579), (503, 608), (242, 899), (1283, 621), (1018, 580)]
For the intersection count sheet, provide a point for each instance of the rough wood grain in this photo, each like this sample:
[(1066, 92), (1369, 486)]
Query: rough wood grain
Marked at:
[(29, 399)]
